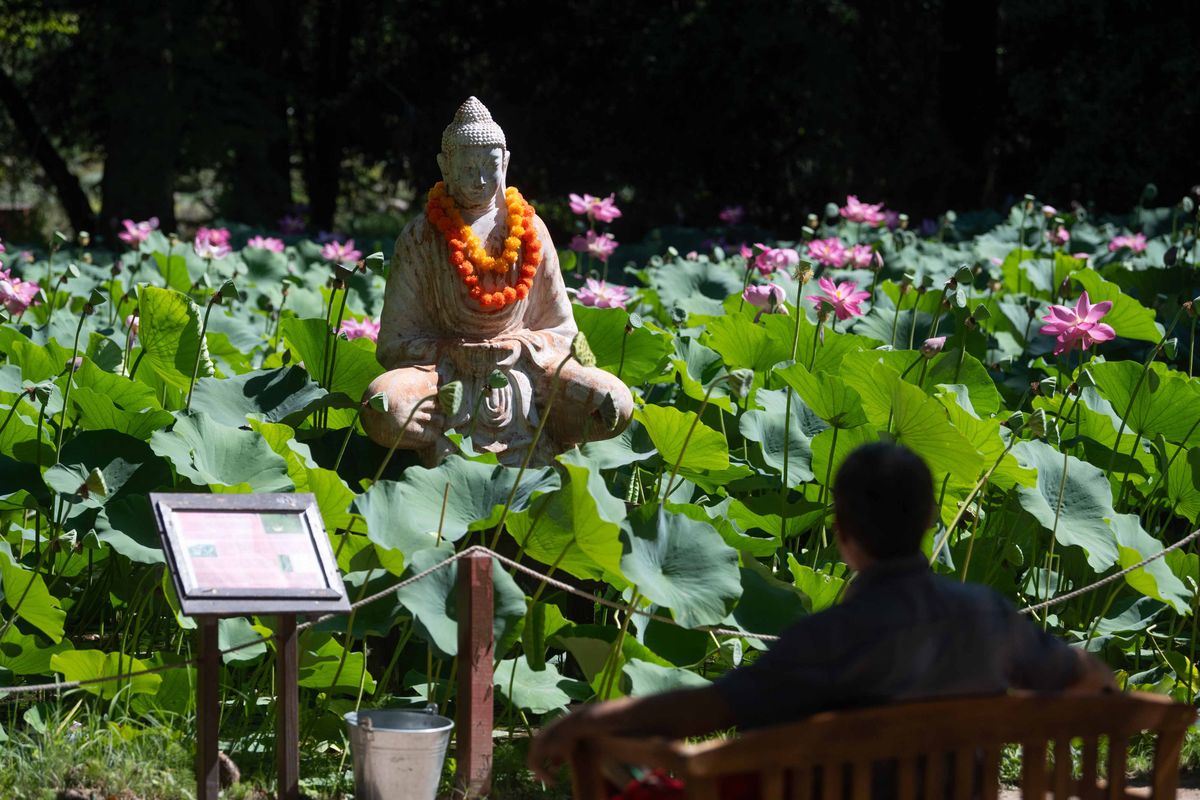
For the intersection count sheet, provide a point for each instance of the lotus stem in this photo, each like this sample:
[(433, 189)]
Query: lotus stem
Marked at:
[(346, 439), (675, 469), (614, 657), (392, 450), (70, 380), (199, 351), (967, 502)]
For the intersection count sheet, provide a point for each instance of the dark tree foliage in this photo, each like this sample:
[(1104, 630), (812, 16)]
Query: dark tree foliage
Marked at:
[(683, 106)]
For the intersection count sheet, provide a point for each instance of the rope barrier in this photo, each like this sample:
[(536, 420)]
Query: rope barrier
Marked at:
[(550, 581)]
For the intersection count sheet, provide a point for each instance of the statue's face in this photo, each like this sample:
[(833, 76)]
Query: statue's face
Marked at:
[(474, 176)]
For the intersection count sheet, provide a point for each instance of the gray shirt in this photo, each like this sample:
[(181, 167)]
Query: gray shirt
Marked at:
[(902, 633)]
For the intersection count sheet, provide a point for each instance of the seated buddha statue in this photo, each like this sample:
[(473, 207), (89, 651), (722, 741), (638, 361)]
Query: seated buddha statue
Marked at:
[(475, 289)]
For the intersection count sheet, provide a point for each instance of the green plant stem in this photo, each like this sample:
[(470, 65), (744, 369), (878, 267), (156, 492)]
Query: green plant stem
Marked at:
[(392, 450), (621, 361), (687, 438), (70, 381), (896, 320), (825, 486), (1021, 243), (967, 502), (346, 439), (1062, 487), (199, 352), (614, 658), (12, 410), (537, 435), (334, 344)]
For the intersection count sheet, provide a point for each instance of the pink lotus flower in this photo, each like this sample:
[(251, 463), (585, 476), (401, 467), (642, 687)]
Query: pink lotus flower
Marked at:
[(863, 256), (867, 213), (266, 243), (843, 297), (354, 329), (597, 208), (830, 252), (137, 232), (341, 253), (2, 248), (133, 322), (602, 295), (769, 298), (775, 259), (1049, 211), (1136, 243), (599, 245), (212, 243), (745, 251), (732, 215), (1079, 325), (1058, 237), (291, 224), (17, 295), (931, 347)]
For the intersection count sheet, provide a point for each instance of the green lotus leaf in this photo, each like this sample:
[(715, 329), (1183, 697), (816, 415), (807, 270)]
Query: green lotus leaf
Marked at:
[(766, 427), (406, 515), (645, 348), (647, 678), (986, 437), (355, 368), (827, 395), (697, 287), (697, 367), (767, 605), (1155, 579), (591, 646), (1129, 318), (537, 691), (333, 495), (210, 454), (820, 589), (236, 631), (1163, 402), (631, 446), (744, 343), (433, 601), (127, 524), (24, 654), (84, 665), (25, 593), (169, 333), (668, 429), (1086, 501), (732, 519), (284, 395), (322, 667), (681, 564)]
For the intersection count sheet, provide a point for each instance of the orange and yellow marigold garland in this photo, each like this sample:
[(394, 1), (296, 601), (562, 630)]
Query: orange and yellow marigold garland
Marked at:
[(467, 254)]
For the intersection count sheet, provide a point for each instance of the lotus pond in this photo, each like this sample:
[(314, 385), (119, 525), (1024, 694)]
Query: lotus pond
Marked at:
[(170, 367)]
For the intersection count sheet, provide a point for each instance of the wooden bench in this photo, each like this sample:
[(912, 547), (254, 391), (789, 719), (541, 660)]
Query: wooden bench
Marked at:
[(952, 744)]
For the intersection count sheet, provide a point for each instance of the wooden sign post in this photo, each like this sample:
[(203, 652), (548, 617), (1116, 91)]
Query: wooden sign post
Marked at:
[(236, 555), (473, 739)]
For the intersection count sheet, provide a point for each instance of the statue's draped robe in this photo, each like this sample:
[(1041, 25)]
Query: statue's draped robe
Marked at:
[(432, 332)]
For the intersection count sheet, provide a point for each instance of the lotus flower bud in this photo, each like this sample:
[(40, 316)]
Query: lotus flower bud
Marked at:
[(581, 351), (931, 347), (1187, 205), (95, 484), (740, 381), (378, 402), (85, 238)]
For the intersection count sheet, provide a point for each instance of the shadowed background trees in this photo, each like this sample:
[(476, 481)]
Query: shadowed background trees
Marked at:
[(683, 107)]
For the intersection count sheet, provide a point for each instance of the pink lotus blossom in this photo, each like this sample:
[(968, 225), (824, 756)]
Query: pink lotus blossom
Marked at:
[(291, 224), (266, 243), (932, 346), (769, 298), (341, 253), (133, 322), (17, 295), (1079, 325), (354, 329), (599, 245), (601, 209), (212, 243), (843, 297), (1059, 237), (745, 251), (862, 256), (1049, 211), (74, 364), (867, 213), (137, 232), (602, 295), (2, 248), (1136, 243), (775, 259), (830, 252), (732, 215)]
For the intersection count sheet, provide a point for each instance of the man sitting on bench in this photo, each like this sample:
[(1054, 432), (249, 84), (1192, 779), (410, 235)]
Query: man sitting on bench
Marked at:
[(902, 633)]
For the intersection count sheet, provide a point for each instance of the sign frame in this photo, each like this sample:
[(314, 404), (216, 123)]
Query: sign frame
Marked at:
[(232, 601)]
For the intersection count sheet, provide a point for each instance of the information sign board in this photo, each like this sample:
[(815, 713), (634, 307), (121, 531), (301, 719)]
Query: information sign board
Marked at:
[(249, 554)]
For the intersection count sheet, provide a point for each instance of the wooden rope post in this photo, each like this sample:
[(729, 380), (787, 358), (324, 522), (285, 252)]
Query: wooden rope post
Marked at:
[(208, 712), (287, 732), (475, 657)]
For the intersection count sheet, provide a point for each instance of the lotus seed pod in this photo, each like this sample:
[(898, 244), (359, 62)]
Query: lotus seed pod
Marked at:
[(582, 351), (831, 210), (1187, 205), (608, 411), (450, 397), (497, 380), (740, 381), (378, 402), (95, 483), (85, 238)]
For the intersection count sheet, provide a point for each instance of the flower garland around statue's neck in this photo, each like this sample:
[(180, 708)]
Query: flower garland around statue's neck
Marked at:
[(467, 254)]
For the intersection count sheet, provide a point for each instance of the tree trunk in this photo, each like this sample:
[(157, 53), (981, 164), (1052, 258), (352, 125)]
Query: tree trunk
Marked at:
[(66, 185)]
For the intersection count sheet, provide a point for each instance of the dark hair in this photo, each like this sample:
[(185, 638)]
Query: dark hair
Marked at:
[(883, 497)]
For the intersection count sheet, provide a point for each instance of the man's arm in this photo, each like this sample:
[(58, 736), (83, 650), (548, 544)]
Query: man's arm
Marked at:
[(687, 712)]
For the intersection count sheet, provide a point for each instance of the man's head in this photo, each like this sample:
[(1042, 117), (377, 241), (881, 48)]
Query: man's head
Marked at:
[(883, 500), (474, 157)]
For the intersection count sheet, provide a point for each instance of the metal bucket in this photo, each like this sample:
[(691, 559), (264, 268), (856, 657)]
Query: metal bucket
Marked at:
[(398, 755)]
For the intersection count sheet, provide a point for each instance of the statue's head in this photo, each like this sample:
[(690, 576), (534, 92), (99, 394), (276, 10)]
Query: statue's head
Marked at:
[(474, 157)]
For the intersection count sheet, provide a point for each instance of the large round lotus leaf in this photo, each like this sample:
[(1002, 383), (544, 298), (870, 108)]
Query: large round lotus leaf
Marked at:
[(24, 654), (235, 631), (766, 427), (25, 593), (746, 344), (538, 691), (333, 495), (631, 446), (355, 368), (127, 524), (1163, 402), (1129, 318), (669, 427), (827, 395), (83, 665), (645, 349), (697, 287), (1086, 501), (433, 600), (208, 453), (1155, 579), (681, 564), (286, 394), (646, 678), (767, 605), (322, 667), (407, 515), (169, 333)]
